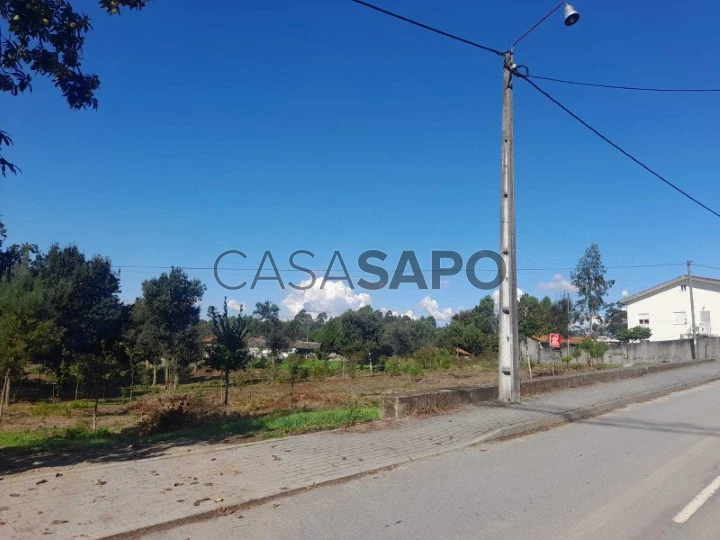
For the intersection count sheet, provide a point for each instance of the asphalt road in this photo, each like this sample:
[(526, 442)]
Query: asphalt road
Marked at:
[(624, 475)]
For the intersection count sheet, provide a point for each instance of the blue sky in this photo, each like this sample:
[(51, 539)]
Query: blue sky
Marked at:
[(326, 126)]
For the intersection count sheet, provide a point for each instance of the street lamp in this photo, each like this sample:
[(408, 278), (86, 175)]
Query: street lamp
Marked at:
[(571, 16), (509, 346)]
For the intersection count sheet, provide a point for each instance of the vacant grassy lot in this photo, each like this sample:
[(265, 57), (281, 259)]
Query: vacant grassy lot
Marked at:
[(260, 406)]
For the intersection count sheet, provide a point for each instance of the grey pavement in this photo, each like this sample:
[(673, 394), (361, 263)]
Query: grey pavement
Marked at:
[(621, 476), (187, 482)]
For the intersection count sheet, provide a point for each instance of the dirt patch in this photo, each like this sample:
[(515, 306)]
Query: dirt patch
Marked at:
[(252, 393)]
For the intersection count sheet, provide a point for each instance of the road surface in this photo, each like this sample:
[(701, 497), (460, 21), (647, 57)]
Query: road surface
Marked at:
[(648, 471)]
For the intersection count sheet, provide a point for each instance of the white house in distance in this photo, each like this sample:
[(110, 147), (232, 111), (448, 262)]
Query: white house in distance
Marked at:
[(665, 308)]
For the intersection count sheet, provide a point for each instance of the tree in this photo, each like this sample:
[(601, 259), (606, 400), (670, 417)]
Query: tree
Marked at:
[(25, 328), (142, 340), (589, 278), (82, 299), (271, 327), (15, 255), (171, 303), (360, 334), (594, 348), (396, 337), (46, 37), (637, 333), (97, 369), (534, 316), (475, 331), (229, 351), (329, 336), (301, 326), (615, 319), (561, 316)]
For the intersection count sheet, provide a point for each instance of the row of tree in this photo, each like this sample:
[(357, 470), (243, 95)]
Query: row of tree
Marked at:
[(60, 310)]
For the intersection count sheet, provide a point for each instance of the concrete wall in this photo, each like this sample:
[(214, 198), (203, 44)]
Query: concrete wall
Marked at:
[(622, 353), (399, 406)]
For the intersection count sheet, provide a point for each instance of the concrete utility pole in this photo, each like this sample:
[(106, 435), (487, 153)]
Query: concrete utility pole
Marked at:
[(509, 354), (568, 326), (509, 350), (692, 311)]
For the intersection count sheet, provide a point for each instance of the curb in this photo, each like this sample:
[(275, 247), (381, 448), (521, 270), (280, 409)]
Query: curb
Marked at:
[(545, 422)]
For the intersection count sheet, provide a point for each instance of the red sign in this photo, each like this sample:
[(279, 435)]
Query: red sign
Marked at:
[(555, 341)]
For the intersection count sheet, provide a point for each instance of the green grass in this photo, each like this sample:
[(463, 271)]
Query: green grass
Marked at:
[(59, 439), (59, 409), (277, 424), (299, 422)]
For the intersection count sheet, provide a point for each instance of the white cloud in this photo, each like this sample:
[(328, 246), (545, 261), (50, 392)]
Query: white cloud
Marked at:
[(334, 299), (496, 295), (558, 283), (433, 308), (234, 305), (408, 312)]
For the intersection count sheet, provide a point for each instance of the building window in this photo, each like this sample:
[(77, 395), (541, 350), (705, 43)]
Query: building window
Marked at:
[(644, 319), (705, 327), (683, 287), (680, 317)]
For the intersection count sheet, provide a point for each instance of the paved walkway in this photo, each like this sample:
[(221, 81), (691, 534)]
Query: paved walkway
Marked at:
[(99, 500)]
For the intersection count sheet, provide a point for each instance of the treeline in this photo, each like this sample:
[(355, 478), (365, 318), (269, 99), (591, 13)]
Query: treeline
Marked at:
[(60, 312), (368, 333)]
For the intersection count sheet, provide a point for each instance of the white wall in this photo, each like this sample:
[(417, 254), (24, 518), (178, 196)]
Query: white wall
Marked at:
[(660, 308)]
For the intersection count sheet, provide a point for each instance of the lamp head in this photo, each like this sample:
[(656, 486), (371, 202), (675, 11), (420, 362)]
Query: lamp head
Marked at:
[(571, 16)]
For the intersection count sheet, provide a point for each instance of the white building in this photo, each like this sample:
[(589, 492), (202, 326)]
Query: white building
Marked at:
[(665, 308)]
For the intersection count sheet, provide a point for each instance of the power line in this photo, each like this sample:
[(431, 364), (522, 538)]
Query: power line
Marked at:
[(426, 27), (616, 146), (621, 87), (526, 77), (707, 266), (252, 271)]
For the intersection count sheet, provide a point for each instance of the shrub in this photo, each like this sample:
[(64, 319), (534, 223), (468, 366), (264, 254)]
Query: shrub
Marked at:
[(175, 412), (444, 359), (444, 362), (425, 357), (259, 363), (334, 367), (351, 368), (318, 369), (392, 367), (412, 368)]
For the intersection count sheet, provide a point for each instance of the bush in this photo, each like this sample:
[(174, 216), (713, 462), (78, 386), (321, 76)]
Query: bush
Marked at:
[(318, 369), (425, 357), (333, 367), (259, 363), (413, 368), (392, 367), (351, 368), (175, 412), (444, 358)]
